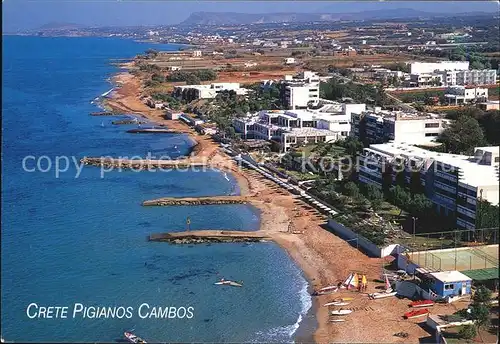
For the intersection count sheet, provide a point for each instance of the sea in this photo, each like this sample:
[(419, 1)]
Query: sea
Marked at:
[(77, 238)]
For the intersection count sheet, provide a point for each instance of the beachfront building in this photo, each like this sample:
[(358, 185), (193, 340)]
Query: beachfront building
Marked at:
[(193, 92), (382, 126), (453, 182), (462, 95), (292, 128)]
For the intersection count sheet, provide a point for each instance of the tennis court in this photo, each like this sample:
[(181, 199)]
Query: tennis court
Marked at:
[(461, 259)]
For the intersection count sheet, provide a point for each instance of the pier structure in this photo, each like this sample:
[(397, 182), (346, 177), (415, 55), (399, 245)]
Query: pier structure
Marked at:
[(129, 121), (155, 131), (102, 113), (180, 201), (210, 236), (141, 164)]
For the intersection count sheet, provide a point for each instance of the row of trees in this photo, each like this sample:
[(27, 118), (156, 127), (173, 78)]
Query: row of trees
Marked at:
[(194, 77), (335, 89)]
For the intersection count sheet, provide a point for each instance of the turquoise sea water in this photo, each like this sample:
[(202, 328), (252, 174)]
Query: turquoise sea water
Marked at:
[(68, 240)]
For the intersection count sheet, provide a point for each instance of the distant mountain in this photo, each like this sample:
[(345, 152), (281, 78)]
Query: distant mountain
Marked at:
[(53, 26), (230, 18)]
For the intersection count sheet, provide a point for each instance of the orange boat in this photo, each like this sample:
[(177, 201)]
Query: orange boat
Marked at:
[(416, 313), (422, 303)]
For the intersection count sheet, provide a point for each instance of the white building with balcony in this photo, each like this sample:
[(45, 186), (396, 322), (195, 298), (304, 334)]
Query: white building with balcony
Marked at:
[(298, 127), (397, 126), (462, 94), (454, 183), (476, 77)]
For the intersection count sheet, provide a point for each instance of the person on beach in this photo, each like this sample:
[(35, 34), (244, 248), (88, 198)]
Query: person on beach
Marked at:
[(364, 283), (360, 283)]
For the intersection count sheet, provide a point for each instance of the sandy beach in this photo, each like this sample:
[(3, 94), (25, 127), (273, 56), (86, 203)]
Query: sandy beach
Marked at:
[(324, 258)]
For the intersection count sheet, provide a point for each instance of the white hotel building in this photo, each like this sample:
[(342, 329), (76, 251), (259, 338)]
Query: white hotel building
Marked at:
[(453, 183), (450, 73), (298, 127), (301, 90), (383, 126)]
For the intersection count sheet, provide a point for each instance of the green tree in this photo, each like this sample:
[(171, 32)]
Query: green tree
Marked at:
[(374, 195), (420, 205), (480, 314), (487, 215), (482, 295), (467, 332), (400, 197), (192, 79), (350, 189), (462, 136)]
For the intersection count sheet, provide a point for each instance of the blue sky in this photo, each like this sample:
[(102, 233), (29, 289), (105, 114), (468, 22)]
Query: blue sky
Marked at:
[(28, 14)]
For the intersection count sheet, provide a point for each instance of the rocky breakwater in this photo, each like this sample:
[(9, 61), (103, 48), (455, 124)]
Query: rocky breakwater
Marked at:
[(128, 121), (176, 201), (142, 164), (209, 236)]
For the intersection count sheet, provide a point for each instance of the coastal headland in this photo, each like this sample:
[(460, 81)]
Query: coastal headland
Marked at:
[(325, 258)]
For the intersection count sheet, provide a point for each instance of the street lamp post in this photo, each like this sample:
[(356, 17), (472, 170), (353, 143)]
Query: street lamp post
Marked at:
[(414, 220)]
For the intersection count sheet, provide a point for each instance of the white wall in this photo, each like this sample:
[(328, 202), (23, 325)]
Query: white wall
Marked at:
[(413, 131), (429, 67), (353, 108), (347, 234)]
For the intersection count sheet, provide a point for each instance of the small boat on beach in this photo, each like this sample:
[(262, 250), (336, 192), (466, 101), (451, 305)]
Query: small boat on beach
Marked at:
[(416, 313), (341, 312), (382, 295), (132, 338), (388, 292), (337, 320), (230, 283), (422, 303), (326, 290), (336, 303)]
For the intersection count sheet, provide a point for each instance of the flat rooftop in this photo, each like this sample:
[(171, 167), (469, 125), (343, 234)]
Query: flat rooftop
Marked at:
[(472, 173), (311, 132)]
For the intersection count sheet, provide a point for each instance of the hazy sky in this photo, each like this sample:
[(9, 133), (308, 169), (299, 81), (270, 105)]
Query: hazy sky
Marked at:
[(27, 14)]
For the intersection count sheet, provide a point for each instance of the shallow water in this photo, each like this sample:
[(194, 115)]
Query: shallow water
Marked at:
[(68, 239)]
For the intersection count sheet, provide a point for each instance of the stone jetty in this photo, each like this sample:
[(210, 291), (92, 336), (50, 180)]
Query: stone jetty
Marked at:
[(216, 200), (128, 121), (209, 236), (155, 131), (142, 164), (102, 113)]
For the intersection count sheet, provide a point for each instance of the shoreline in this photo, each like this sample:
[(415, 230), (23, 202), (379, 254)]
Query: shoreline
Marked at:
[(309, 322), (324, 258)]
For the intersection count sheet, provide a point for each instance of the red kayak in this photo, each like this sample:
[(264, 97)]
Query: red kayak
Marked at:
[(422, 303), (416, 313)]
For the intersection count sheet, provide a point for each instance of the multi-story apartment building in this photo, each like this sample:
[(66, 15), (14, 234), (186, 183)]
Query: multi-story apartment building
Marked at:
[(301, 90), (397, 126), (454, 77), (454, 183), (476, 77)]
